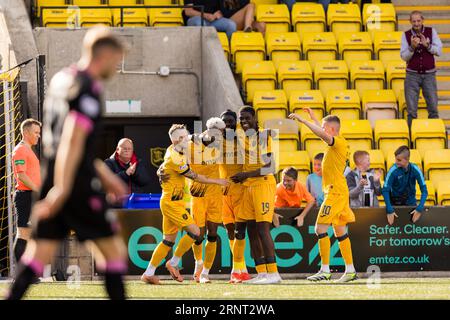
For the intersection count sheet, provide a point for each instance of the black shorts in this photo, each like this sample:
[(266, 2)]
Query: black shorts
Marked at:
[(87, 214), (22, 201)]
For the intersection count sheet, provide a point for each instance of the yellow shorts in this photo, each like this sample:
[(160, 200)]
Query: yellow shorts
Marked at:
[(175, 216), (231, 204), (208, 208), (258, 203), (335, 210)]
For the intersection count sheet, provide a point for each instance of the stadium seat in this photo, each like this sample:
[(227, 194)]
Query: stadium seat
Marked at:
[(165, 17), (270, 105), (60, 18), (436, 164), (428, 134), (379, 17), (331, 75), (161, 2), (310, 142), (395, 76), (308, 17), (387, 46), (443, 193), (319, 46), (307, 99), (91, 17), (431, 197), (85, 3), (48, 3), (283, 46), (132, 17), (258, 2), (414, 157), (355, 46), (391, 134), (367, 75), (376, 160), (287, 137), (275, 16), (343, 103), (422, 112), (379, 104), (225, 44), (358, 134), (294, 75), (298, 159), (258, 76), (343, 18), (246, 46)]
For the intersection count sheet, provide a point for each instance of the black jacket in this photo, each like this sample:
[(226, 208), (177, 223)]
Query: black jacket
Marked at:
[(135, 182)]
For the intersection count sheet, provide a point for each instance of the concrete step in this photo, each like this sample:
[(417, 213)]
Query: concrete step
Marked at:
[(428, 2), (444, 94), (443, 83), (443, 65), (441, 25), (429, 12)]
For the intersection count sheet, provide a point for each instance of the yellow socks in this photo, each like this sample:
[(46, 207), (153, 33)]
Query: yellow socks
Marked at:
[(210, 254), (183, 246), (197, 249), (238, 252), (324, 249), (160, 253), (346, 251), (261, 268)]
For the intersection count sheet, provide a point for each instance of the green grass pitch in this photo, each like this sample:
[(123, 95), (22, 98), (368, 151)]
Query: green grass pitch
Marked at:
[(389, 288)]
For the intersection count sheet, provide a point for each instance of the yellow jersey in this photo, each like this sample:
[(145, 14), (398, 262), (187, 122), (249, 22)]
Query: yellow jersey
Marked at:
[(231, 164), (256, 148), (204, 160), (335, 160), (175, 164)]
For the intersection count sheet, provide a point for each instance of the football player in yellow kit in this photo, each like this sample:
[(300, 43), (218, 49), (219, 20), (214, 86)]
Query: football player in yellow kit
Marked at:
[(335, 209), (175, 216)]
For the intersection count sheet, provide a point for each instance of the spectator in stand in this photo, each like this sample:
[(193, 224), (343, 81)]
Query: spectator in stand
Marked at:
[(314, 180), (242, 12), (128, 167), (212, 14), (363, 182), (400, 186), (290, 194), (419, 46)]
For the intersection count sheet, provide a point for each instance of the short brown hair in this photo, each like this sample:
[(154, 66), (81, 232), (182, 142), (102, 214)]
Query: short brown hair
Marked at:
[(26, 124), (319, 156), (359, 154), (176, 127), (291, 172), (416, 12), (332, 118), (402, 150)]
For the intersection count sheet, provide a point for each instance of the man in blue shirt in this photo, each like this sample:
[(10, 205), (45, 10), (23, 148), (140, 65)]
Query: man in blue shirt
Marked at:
[(400, 186)]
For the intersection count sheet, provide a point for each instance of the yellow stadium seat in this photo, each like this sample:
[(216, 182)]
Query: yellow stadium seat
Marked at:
[(355, 46), (331, 75), (132, 17), (166, 17), (275, 16), (49, 3), (436, 164), (431, 197), (376, 160), (287, 137), (395, 76), (60, 18), (358, 134), (308, 17), (414, 157), (310, 142), (367, 75), (160, 2), (82, 3), (258, 76), (225, 44), (307, 99), (319, 46), (270, 105), (379, 17), (246, 46), (422, 112), (298, 159), (343, 18), (387, 46), (343, 103), (294, 75), (428, 134), (391, 134), (379, 104), (91, 17), (443, 193), (283, 46), (259, 2)]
